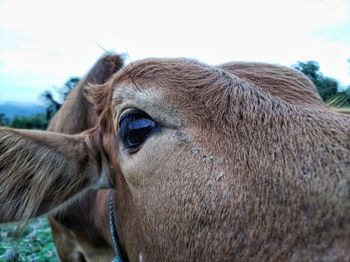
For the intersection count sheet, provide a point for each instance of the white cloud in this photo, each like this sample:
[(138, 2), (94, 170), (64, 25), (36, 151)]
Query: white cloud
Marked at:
[(57, 39)]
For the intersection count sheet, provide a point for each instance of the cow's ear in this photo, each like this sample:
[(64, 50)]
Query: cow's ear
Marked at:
[(99, 79), (40, 170), (104, 68)]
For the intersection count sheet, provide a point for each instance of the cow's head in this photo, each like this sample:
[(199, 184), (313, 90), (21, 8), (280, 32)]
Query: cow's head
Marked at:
[(211, 164)]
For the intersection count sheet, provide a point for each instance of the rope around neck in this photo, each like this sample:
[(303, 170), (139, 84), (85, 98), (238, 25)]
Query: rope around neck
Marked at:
[(113, 229)]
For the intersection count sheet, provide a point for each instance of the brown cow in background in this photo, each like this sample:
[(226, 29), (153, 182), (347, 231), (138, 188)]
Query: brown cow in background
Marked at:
[(241, 161), (77, 229), (80, 231)]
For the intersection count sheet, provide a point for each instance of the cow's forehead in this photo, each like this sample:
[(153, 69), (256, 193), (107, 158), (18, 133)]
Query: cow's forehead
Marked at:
[(180, 73), (149, 99), (165, 86), (199, 93)]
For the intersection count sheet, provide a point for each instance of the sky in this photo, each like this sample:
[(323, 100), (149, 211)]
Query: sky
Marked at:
[(43, 42)]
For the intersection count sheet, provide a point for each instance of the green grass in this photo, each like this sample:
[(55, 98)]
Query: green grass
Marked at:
[(34, 244)]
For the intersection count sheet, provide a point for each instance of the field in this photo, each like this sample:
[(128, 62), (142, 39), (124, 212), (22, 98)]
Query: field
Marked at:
[(34, 244)]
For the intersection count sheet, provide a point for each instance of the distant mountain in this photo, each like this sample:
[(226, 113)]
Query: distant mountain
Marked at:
[(11, 109)]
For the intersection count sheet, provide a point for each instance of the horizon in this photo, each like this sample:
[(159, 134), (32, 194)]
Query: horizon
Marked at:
[(41, 49)]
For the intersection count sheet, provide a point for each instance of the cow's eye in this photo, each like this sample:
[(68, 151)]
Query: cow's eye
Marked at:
[(134, 128)]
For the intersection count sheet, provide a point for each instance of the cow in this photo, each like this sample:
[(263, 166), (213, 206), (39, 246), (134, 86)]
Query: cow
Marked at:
[(80, 237), (241, 161)]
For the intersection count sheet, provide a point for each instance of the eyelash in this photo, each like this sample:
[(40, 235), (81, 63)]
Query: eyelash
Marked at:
[(134, 129)]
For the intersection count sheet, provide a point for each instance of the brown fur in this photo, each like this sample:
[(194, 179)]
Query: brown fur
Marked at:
[(286, 83), (58, 165), (80, 231), (243, 168), (243, 172)]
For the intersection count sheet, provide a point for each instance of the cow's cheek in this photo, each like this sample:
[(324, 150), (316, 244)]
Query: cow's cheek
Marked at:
[(143, 169)]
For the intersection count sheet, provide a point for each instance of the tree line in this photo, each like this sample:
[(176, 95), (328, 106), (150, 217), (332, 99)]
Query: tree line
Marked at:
[(328, 88), (52, 105)]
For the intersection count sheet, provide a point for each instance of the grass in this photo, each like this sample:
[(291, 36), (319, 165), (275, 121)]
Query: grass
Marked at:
[(34, 244)]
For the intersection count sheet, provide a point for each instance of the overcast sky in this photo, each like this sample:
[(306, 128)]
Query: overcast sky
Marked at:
[(43, 42)]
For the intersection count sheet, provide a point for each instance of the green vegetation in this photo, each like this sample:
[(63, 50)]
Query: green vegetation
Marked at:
[(30, 122), (4, 121), (40, 121), (327, 87), (33, 244)]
